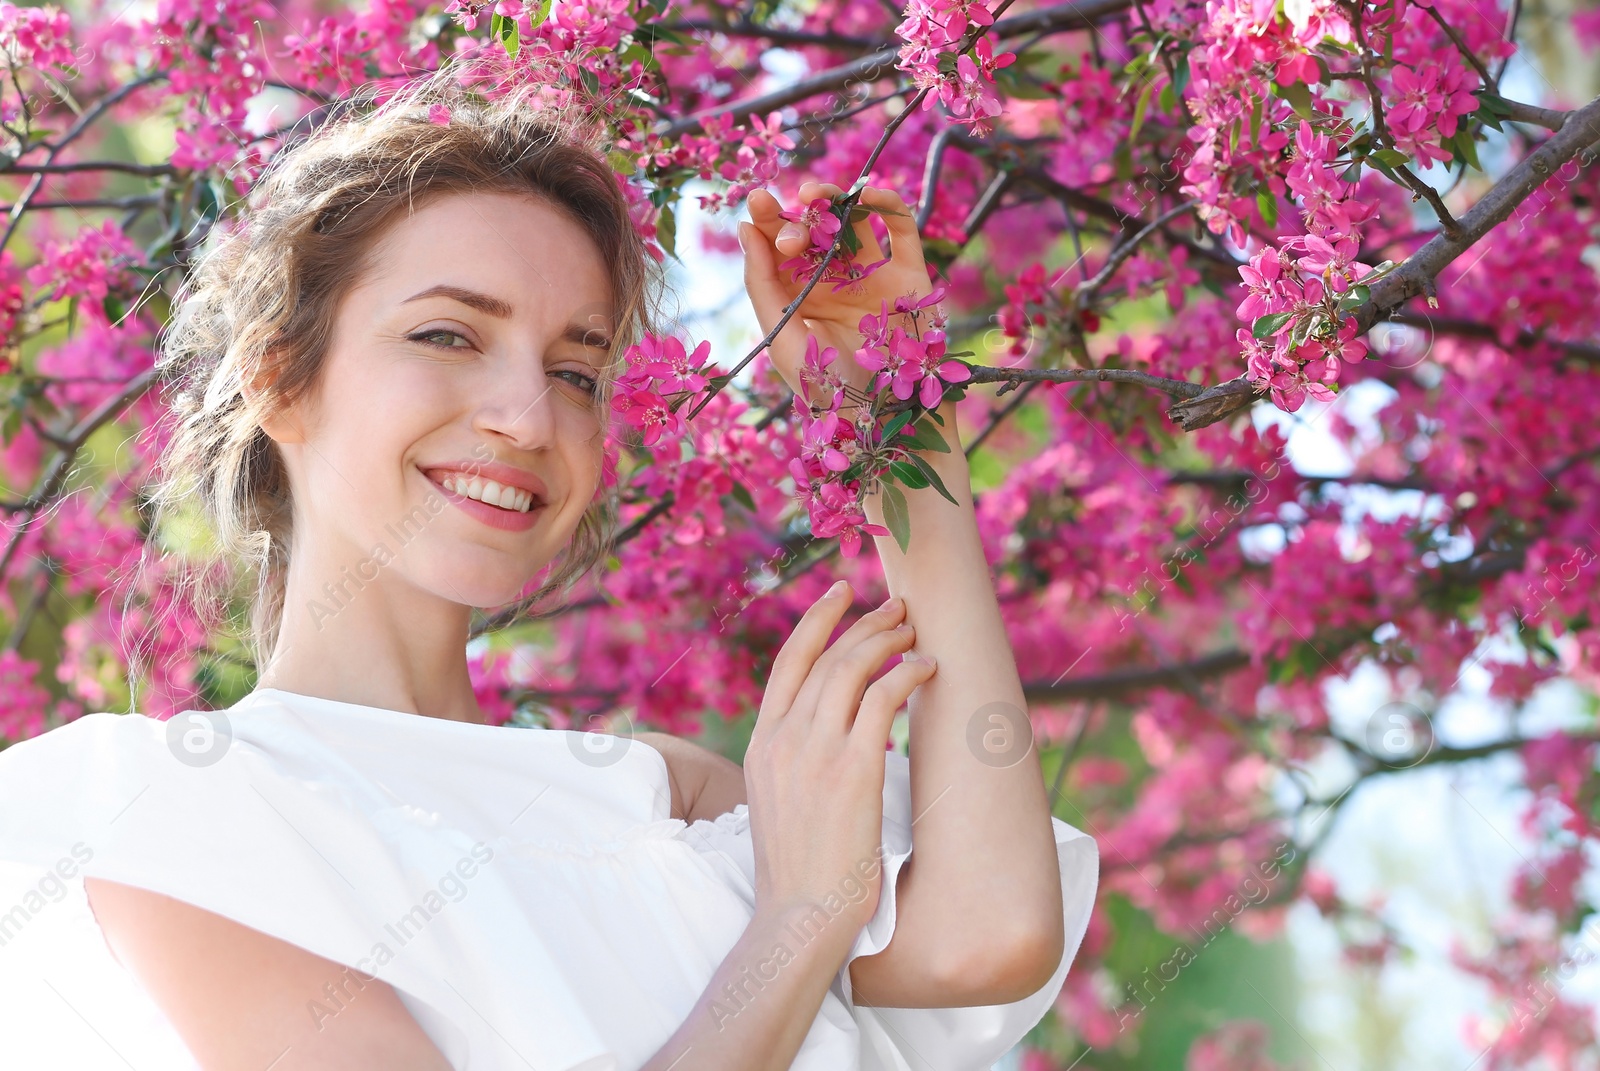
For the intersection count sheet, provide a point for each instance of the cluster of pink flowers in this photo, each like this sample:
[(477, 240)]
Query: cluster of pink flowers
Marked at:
[(910, 363), (1246, 46), (931, 30), (12, 301), (1430, 100), (745, 157), (92, 264), (23, 701), (841, 457), (822, 223), (35, 36), (657, 367), (1297, 291)]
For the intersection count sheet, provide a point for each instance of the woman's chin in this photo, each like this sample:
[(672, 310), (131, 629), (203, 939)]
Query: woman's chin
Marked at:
[(478, 588)]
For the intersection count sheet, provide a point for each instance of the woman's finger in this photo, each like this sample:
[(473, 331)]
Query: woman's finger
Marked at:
[(793, 239), (885, 696), (800, 652), (764, 213), (767, 294), (769, 297), (847, 679), (904, 241), (811, 189), (878, 621)]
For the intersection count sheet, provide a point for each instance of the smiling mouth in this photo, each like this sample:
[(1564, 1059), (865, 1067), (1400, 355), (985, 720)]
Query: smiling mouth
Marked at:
[(490, 493)]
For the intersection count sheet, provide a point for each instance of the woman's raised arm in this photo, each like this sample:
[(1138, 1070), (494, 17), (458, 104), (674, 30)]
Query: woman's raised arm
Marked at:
[(983, 886)]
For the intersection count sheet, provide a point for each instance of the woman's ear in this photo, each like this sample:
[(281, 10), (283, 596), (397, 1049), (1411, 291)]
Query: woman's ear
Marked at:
[(281, 422)]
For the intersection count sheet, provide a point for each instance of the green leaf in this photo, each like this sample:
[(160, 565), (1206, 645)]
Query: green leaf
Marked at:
[(1391, 157), (1141, 106), (937, 419), (1181, 69), (1267, 326), (1466, 147), (1357, 296), (1299, 98), (11, 425), (667, 231), (896, 516), (928, 437), (1493, 101), (541, 14), (505, 31), (1267, 202), (1122, 160), (908, 474), (898, 421), (933, 477), (742, 495), (1351, 173)]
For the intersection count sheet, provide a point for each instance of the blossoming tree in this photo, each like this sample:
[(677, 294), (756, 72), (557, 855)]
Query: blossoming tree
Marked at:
[(1149, 225)]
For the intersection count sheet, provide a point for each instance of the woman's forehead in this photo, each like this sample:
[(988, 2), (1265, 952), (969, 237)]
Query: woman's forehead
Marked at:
[(504, 255)]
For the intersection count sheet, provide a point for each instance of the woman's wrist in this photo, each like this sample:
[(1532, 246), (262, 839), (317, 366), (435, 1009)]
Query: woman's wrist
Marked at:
[(763, 998), (950, 465)]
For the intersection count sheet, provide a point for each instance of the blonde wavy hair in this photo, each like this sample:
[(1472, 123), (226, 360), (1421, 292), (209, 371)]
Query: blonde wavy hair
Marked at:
[(259, 302)]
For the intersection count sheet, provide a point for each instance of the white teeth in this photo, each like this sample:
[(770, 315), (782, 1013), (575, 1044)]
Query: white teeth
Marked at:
[(490, 492)]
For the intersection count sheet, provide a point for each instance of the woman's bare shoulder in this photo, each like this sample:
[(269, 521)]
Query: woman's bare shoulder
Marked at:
[(242, 999), (704, 783)]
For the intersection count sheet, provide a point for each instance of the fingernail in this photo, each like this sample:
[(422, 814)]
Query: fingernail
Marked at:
[(837, 589), (791, 231), (740, 232), (902, 628), (910, 656), (888, 604)]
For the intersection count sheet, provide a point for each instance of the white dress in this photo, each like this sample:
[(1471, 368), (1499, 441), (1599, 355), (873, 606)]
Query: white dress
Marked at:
[(529, 898)]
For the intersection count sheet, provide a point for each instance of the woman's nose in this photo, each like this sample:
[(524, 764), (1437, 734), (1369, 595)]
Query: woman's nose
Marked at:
[(520, 409)]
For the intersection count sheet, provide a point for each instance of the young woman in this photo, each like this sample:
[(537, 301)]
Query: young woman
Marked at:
[(393, 387)]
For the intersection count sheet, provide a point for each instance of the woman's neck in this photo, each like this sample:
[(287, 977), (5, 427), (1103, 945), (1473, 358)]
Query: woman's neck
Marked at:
[(360, 635)]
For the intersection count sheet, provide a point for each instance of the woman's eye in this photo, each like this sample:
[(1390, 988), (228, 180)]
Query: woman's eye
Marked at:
[(586, 383), (424, 336)]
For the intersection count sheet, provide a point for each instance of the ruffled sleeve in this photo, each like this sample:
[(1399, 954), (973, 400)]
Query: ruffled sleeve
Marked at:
[(910, 1039), (958, 1039)]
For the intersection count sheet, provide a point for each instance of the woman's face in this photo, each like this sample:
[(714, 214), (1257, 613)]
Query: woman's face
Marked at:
[(453, 440)]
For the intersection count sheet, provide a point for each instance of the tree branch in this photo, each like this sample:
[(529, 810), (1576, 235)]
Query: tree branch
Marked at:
[(869, 68), (1416, 275)]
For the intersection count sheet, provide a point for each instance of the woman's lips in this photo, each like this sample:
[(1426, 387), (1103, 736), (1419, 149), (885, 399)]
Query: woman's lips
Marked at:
[(508, 520)]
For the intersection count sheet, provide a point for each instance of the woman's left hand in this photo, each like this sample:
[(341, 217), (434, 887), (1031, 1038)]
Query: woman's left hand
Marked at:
[(834, 316)]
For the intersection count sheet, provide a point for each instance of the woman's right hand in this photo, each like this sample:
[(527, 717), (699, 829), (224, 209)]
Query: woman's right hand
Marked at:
[(815, 766)]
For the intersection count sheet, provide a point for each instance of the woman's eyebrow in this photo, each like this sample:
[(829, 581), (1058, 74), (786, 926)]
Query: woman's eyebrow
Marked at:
[(485, 303), (582, 334)]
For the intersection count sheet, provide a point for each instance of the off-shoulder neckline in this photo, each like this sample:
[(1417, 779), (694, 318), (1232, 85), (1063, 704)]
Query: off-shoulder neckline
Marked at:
[(657, 761), (411, 718)]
